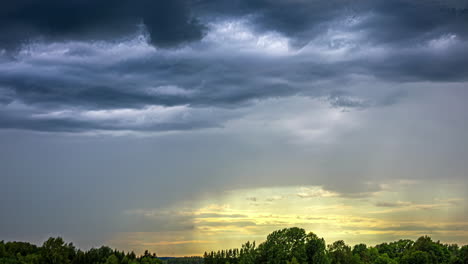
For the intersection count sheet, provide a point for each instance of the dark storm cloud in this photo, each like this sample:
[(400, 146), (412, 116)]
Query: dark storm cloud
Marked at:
[(47, 125), (72, 125), (399, 21), (330, 43), (207, 85), (168, 22), (173, 22)]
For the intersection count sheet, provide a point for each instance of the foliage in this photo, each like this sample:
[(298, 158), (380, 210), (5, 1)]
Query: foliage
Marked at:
[(285, 246), (316, 251), (292, 245), (384, 259), (340, 253), (184, 260), (56, 251)]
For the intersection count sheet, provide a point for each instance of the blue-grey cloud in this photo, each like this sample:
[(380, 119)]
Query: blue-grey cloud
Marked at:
[(390, 22), (169, 23), (235, 54)]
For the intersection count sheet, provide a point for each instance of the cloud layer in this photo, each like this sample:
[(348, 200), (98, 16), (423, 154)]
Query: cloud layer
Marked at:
[(169, 23), (210, 60)]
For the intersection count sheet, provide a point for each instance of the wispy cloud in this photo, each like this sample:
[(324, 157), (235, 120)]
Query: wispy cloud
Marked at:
[(316, 193)]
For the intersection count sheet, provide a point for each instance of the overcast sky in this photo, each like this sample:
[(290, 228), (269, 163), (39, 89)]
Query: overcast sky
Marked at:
[(190, 125)]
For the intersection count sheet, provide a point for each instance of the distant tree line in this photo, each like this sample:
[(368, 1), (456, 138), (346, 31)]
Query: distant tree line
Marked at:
[(295, 246), (56, 251), (184, 260), (286, 246)]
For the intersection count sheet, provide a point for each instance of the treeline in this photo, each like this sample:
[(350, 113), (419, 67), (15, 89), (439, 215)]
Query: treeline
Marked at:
[(184, 260), (56, 251), (295, 246), (286, 246)]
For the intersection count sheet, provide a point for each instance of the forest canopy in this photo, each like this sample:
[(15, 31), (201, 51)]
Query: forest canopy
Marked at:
[(286, 246)]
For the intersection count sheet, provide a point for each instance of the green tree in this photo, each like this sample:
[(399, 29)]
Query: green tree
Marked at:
[(373, 254), (282, 245), (385, 259), (112, 259), (463, 255), (150, 260), (359, 249), (248, 253), (55, 251), (416, 257), (2, 249), (125, 260), (361, 252), (29, 259), (340, 253), (293, 261), (437, 252), (316, 251)]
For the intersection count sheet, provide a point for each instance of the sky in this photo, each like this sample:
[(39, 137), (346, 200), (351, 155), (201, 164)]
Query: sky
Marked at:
[(187, 126)]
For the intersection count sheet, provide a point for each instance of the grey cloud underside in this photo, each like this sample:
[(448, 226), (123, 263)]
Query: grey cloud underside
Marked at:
[(397, 21), (174, 22), (168, 22), (65, 125), (413, 42)]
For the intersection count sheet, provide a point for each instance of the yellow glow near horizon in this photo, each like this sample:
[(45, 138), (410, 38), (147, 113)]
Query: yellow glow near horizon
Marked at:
[(234, 217)]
